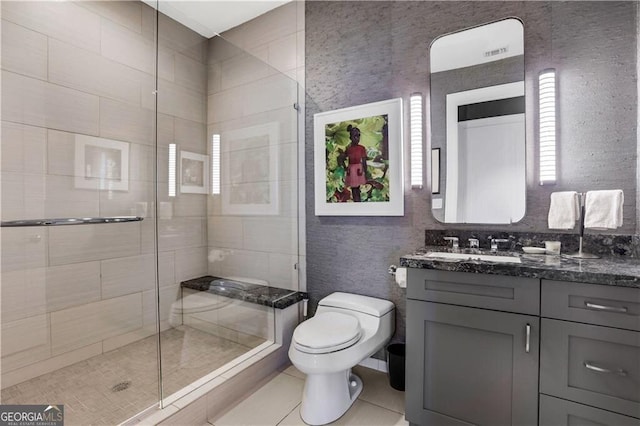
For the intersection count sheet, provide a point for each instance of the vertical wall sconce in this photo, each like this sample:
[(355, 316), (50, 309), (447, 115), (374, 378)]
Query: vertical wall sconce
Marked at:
[(415, 123), (215, 164), (547, 120), (172, 170)]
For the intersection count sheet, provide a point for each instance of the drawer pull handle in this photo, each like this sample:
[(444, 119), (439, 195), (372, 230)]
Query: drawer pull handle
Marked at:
[(597, 307), (527, 343), (598, 369)]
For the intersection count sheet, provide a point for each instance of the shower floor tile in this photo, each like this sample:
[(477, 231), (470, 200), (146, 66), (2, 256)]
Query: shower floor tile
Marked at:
[(110, 388)]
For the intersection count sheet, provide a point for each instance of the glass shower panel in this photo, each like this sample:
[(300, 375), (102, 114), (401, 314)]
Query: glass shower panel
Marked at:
[(228, 199), (182, 196), (253, 220), (79, 301)]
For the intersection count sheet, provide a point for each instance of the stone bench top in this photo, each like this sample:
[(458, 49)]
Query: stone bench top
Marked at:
[(274, 297)]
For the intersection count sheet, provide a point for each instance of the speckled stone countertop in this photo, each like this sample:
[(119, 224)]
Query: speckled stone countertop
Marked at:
[(617, 271), (278, 298)]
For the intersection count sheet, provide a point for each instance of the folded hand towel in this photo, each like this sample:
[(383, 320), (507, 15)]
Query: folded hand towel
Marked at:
[(603, 209), (564, 210)]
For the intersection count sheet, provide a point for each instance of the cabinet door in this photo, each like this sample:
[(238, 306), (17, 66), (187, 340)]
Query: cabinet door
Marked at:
[(593, 365), (470, 366), (559, 412)]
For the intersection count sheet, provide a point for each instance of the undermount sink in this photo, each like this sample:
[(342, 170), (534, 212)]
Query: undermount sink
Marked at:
[(468, 256)]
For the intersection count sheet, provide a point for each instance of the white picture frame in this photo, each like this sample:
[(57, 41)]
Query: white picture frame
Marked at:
[(194, 173), (380, 127), (101, 163), (250, 170)]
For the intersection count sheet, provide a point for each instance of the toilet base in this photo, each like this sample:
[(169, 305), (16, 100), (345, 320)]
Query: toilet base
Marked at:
[(326, 397)]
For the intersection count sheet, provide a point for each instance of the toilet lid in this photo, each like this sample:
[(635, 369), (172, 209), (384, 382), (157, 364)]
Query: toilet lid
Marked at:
[(327, 332)]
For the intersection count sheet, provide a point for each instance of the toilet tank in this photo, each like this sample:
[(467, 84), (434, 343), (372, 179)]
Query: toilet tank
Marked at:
[(355, 302)]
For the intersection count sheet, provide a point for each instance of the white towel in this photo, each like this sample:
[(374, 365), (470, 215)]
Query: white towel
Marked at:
[(564, 210), (603, 209)]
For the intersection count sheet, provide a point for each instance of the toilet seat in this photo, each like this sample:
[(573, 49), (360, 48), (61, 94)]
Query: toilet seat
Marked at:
[(327, 332)]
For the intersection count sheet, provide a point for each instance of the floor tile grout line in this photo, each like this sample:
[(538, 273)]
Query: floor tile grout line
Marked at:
[(288, 414), (380, 406)]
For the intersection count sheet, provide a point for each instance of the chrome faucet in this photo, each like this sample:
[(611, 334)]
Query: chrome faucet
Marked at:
[(495, 241), (454, 242)]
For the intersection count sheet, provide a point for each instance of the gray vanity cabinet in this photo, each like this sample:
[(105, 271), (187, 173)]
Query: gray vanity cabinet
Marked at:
[(480, 347), (467, 365)]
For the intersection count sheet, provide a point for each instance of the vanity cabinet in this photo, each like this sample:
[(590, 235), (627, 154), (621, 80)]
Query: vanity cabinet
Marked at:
[(499, 350), (590, 353), (468, 365)]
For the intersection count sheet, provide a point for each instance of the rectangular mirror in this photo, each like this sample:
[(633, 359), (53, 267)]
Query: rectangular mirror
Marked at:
[(478, 123)]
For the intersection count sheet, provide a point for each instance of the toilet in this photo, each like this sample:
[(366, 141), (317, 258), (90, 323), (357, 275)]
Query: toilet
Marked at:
[(346, 329)]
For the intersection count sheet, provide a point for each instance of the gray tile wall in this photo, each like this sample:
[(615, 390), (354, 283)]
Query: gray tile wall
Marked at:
[(360, 52)]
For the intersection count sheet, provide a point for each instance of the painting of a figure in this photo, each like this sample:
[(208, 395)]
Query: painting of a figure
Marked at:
[(357, 160)]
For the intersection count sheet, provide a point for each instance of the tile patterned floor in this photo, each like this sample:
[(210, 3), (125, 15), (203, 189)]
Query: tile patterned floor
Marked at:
[(278, 403), (85, 387)]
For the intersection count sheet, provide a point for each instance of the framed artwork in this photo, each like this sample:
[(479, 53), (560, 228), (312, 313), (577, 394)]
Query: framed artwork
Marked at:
[(194, 173), (358, 160), (101, 163), (435, 171), (250, 162)]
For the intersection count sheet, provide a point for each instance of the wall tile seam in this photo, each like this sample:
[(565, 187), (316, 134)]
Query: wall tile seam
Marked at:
[(266, 43), (48, 36), (238, 120), (45, 80), (52, 84), (246, 250), (99, 99), (249, 83), (187, 90), (123, 64), (168, 49), (107, 18)]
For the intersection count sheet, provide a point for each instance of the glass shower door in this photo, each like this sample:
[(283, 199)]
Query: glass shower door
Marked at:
[(78, 290)]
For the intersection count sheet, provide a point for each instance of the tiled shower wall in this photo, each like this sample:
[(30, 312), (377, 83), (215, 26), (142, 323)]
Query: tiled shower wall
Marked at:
[(253, 70), (69, 293)]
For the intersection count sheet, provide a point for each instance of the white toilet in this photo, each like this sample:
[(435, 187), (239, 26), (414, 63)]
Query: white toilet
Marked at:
[(346, 329)]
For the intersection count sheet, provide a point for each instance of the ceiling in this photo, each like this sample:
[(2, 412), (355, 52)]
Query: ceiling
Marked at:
[(211, 17)]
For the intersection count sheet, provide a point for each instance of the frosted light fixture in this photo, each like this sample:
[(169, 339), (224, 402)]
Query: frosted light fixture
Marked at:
[(547, 120), (215, 164), (172, 170), (415, 119)]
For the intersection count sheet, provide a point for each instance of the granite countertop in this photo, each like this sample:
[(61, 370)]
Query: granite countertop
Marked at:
[(618, 271), (278, 298)]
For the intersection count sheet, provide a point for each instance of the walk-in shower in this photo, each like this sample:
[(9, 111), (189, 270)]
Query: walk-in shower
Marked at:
[(149, 198)]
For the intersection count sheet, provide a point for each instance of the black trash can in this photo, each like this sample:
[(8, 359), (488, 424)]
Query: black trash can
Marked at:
[(395, 365)]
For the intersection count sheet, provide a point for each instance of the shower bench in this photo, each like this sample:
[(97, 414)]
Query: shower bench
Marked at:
[(273, 297)]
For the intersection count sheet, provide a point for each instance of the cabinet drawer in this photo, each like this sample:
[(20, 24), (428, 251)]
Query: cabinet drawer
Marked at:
[(593, 365), (591, 303), (498, 292), (558, 412)]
